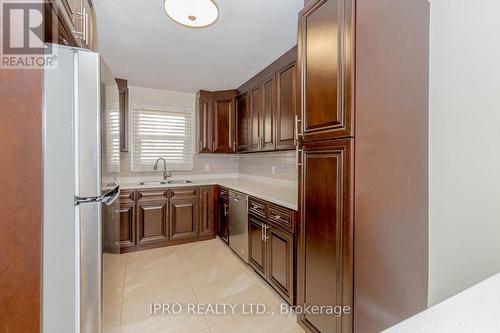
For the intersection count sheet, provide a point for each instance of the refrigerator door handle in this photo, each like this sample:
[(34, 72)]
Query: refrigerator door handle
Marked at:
[(108, 197)]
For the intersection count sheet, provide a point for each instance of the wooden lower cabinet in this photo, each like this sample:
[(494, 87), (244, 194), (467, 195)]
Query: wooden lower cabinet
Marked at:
[(152, 223), (280, 269), (325, 269), (257, 250), (206, 228), (272, 248), (183, 219), (127, 227)]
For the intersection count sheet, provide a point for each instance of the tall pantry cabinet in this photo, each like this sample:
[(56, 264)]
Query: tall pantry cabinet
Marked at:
[(362, 90)]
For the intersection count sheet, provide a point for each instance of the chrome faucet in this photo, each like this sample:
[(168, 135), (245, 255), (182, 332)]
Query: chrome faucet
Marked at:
[(166, 173)]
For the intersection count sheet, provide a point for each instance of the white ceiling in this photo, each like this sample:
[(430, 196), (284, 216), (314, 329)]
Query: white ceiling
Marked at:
[(143, 45)]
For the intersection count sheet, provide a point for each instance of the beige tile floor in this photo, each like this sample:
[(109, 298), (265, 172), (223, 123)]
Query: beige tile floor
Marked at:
[(202, 273)]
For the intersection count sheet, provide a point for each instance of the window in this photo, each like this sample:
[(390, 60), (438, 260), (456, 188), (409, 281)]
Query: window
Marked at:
[(112, 138), (161, 132)]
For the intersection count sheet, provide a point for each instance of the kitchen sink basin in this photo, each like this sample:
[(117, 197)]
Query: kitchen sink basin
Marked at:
[(182, 181), (163, 182), (153, 182)]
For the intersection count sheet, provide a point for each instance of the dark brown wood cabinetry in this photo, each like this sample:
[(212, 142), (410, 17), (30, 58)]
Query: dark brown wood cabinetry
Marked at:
[(184, 212), (216, 112), (76, 23), (208, 214), (224, 128), (272, 245), (260, 118), (242, 123), (343, 104), (151, 223), (257, 250), (205, 119), (271, 98), (126, 234), (286, 107), (160, 217), (325, 250)]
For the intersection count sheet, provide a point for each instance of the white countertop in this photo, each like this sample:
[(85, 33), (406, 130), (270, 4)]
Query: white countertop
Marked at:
[(283, 193), (476, 309)]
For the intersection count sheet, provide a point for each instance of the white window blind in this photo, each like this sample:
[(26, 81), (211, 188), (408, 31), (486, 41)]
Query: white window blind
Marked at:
[(112, 138), (161, 132)]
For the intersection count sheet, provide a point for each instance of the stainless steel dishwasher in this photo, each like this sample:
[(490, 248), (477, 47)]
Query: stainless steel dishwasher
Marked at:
[(238, 224)]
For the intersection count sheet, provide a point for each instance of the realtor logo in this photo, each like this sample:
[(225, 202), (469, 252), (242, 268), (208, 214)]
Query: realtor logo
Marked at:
[(24, 33)]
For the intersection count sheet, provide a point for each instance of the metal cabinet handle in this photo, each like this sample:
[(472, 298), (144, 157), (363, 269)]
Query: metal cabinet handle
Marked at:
[(265, 232), (297, 157), (276, 217), (225, 209), (297, 133), (261, 232)]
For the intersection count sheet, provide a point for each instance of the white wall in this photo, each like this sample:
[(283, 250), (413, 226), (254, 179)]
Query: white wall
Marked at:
[(464, 182)]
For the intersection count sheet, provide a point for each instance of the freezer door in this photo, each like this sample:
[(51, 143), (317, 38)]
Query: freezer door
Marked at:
[(89, 218), (87, 124)]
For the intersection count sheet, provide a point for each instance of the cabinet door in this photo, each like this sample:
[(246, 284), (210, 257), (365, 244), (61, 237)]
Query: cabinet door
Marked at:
[(127, 226), (285, 111), (205, 115), (327, 72), (280, 249), (257, 245), (184, 218), (223, 225), (207, 203), (267, 119), (224, 124), (151, 223), (255, 117), (325, 235), (242, 123)]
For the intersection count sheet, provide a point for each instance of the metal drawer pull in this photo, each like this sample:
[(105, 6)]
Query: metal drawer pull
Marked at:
[(276, 217)]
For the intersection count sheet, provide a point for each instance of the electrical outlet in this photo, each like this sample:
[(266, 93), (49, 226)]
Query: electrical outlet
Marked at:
[(273, 170), (207, 167)]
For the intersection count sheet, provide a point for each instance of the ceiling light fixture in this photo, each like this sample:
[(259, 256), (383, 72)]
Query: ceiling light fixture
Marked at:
[(192, 13)]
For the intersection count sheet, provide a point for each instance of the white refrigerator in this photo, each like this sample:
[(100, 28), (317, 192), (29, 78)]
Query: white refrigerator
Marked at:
[(75, 192)]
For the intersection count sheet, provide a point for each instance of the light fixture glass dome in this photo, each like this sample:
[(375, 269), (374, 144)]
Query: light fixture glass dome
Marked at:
[(192, 13)]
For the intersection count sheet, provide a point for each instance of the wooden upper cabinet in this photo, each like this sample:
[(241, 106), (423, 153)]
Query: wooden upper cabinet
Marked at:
[(216, 121), (78, 17), (255, 117), (242, 122), (325, 98), (205, 121), (285, 108), (224, 129), (267, 119)]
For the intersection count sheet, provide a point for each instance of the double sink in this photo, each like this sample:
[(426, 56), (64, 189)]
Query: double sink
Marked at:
[(156, 182)]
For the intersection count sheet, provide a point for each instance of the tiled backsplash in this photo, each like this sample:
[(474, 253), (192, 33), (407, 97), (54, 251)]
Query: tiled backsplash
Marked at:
[(279, 165), (203, 164)]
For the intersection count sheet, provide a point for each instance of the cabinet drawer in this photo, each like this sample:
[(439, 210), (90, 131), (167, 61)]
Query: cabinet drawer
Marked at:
[(257, 207), (159, 194), (282, 217), (184, 193), (223, 193), (127, 196)]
